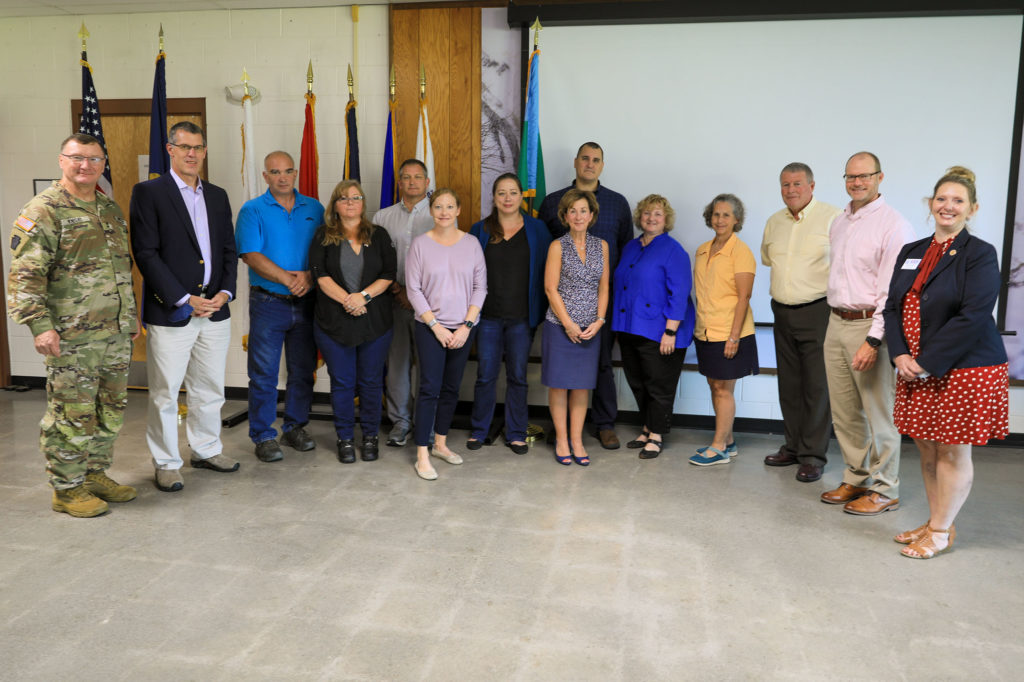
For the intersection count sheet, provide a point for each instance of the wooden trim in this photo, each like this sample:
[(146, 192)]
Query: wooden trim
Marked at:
[(523, 12)]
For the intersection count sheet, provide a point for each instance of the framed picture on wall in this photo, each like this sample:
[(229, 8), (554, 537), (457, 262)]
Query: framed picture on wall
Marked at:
[(38, 185)]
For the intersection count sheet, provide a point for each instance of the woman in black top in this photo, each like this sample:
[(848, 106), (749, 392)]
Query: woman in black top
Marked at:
[(353, 263)]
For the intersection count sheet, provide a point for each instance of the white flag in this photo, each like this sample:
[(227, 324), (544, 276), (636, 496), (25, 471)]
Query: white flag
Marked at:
[(250, 171), (424, 150)]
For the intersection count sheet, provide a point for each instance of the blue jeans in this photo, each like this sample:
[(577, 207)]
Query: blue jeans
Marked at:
[(440, 379), (275, 323), (355, 370), (513, 338)]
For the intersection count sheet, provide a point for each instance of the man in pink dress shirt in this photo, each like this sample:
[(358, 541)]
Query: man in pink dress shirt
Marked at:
[(865, 240)]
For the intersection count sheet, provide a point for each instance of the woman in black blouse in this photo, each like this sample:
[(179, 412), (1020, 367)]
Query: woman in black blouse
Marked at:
[(353, 263)]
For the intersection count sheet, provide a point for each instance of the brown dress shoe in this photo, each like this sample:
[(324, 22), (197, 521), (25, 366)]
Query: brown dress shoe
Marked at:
[(809, 473), (871, 504), (609, 441), (843, 494), (780, 459)]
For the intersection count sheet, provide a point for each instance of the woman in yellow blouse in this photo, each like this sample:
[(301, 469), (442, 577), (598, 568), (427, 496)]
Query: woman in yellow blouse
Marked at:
[(723, 277)]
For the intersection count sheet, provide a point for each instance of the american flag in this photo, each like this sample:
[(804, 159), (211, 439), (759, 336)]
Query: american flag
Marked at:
[(90, 122)]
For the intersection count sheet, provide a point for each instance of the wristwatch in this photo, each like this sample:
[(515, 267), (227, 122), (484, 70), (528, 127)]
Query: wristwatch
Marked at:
[(469, 324), (366, 296), (670, 332), (873, 342), (430, 325)]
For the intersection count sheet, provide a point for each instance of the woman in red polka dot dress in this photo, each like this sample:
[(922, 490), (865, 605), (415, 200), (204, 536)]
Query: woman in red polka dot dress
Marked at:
[(952, 390)]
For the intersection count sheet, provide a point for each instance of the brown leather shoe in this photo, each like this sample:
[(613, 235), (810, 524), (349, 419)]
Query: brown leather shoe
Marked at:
[(843, 494), (609, 441), (809, 473), (871, 504), (780, 459)]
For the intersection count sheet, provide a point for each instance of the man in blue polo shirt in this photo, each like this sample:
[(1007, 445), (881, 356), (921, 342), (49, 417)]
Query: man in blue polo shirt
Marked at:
[(273, 233), (615, 226)]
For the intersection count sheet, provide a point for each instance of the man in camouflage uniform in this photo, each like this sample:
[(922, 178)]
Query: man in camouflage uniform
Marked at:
[(71, 283)]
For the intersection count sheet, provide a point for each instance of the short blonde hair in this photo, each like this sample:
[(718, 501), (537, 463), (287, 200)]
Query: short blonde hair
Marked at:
[(649, 202)]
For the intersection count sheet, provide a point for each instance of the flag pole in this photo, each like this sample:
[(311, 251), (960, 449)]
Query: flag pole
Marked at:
[(351, 132), (83, 33)]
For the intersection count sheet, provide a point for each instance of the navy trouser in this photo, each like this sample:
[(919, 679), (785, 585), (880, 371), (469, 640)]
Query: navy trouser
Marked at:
[(511, 338), (440, 379)]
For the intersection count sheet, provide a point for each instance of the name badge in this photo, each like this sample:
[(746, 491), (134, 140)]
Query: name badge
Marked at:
[(74, 221), (911, 263)]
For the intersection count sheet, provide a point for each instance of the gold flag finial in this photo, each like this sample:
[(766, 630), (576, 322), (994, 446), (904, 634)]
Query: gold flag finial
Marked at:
[(536, 28), (423, 82), (83, 33), (245, 81), (351, 85), (391, 85), (309, 78), (161, 37)]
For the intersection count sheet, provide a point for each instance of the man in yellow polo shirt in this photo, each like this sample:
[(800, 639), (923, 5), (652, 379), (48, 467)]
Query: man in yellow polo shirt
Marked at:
[(795, 246)]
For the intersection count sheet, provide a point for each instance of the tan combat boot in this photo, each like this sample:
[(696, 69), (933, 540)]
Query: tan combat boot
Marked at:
[(78, 502), (106, 488)]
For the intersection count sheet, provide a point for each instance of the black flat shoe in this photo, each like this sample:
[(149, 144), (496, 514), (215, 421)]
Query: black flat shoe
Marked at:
[(518, 448), (346, 452), (474, 444), (636, 443), (370, 449), (651, 454)]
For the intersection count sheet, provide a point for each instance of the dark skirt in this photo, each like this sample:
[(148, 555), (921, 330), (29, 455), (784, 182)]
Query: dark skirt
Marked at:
[(714, 365), (566, 364)]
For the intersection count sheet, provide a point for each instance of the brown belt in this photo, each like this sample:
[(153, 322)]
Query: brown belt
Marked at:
[(853, 314)]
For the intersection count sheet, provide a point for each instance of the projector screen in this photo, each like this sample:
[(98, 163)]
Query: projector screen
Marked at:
[(692, 110)]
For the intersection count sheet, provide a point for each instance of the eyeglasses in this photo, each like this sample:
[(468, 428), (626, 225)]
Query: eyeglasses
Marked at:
[(198, 149), (274, 173), (862, 176), (82, 159), (352, 199)]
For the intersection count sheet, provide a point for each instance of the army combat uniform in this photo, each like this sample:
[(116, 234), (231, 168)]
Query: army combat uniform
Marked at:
[(71, 272)]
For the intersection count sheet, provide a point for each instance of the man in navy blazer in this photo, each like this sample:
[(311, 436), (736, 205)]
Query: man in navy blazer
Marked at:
[(184, 245)]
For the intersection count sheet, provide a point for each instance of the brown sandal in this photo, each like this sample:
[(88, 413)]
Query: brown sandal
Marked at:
[(924, 547), (910, 536)]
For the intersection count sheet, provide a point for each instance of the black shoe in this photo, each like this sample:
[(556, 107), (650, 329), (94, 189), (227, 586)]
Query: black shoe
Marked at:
[(809, 473), (299, 439), (370, 447), (474, 444), (518, 448), (346, 451), (269, 451)]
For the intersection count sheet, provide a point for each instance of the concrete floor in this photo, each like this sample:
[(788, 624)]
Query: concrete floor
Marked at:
[(506, 568)]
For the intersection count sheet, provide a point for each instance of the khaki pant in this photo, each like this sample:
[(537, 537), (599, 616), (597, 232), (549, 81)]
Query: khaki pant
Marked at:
[(861, 405)]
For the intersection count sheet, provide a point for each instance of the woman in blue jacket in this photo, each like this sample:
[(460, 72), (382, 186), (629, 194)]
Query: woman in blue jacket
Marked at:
[(515, 249), (654, 318), (952, 389)]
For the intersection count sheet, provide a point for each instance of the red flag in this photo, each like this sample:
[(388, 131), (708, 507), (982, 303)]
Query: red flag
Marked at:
[(309, 160)]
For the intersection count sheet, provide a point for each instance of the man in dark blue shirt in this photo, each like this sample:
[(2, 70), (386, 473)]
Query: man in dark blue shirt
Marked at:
[(615, 226)]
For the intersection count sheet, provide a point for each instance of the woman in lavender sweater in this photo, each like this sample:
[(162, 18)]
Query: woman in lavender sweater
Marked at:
[(446, 280)]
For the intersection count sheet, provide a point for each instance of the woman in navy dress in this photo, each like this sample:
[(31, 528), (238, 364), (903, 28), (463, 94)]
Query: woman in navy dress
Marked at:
[(576, 282)]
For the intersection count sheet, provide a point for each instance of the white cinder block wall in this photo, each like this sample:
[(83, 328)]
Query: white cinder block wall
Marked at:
[(206, 51), (39, 74)]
